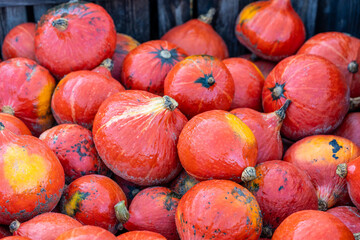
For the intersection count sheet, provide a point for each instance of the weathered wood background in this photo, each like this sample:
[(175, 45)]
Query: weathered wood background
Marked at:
[(150, 19)]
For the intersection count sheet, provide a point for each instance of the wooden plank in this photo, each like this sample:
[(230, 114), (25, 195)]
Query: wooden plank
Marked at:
[(307, 10), (39, 10)]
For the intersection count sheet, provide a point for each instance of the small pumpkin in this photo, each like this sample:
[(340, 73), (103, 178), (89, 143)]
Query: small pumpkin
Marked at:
[(14, 124), (350, 216), (264, 66), (349, 128), (86, 233), (183, 183), (141, 235), (19, 42), (270, 29)]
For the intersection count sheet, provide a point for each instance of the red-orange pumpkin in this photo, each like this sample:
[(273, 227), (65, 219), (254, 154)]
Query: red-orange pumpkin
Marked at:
[(46, 226), (14, 124), (350, 216), (319, 156), (218, 209), (183, 183), (16, 238), (248, 81), (19, 42), (91, 200), (266, 128), (340, 49), (146, 67), (26, 89), (217, 145), (270, 29), (135, 133), (264, 66), (197, 37), (78, 96), (349, 128), (199, 84), (75, 148), (74, 36), (87, 233), (130, 189), (317, 89), (31, 177), (141, 235), (105, 69)]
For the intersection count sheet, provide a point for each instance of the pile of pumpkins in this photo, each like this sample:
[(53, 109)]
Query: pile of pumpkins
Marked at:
[(198, 146)]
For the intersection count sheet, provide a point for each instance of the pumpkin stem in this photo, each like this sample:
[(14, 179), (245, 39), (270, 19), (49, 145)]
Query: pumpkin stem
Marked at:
[(353, 67), (208, 17), (354, 104), (165, 54), (14, 226), (8, 110), (281, 113), (248, 174), (61, 24), (108, 63), (170, 103), (122, 214), (357, 236), (211, 81), (322, 205), (341, 170), (253, 57), (267, 232)]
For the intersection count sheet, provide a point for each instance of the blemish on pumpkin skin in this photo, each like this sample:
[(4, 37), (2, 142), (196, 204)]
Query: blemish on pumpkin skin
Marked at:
[(336, 147), (281, 187), (73, 204)]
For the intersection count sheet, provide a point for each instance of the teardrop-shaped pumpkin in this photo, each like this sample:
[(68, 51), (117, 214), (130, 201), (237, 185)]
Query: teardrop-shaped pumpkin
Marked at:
[(183, 183), (14, 124), (350, 216), (319, 156), (197, 37), (74, 36), (87, 233), (135, 133), (141, 235), (317, 89), (146, 67), (270, 29), (264, 66), (349, 128), (199, 84)]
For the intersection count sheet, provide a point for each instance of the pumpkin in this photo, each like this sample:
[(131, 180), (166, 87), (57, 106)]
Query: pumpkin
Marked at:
[(349, 128), (91, 200), (183, 183), (266, 128), (153, 209), (46, 226), (340, 49), (197, 37), (124, 44), (135, 133), (26, 89), (78, 96), (19, 42), (317, 89), (14, 124), (281, 189), (130, 189), (264, 66), (218, 145), (199, 84), (312, 225), (319, 156), (75, 148), (15, 238), (248, 81), (31, 177), (86, 233), (202, 210), (270, 29), (141, 235), (146, 67), (74, 36), (105, 69), (350, 216)]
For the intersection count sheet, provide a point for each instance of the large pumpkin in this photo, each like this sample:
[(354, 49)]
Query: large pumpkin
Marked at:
[(349, 128), (87, 233), (26, 89), (74, 36), (350, 216), (14, 124), (141, 235), (135, 133), (317, 89)]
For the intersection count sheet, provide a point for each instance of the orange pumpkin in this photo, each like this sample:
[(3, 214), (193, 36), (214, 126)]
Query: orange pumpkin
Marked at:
[(15, 238), (350, 216), (349, 128), (87, 233), (264, 66), (183, 183), (141, 235), (14, 124), (218, 209)]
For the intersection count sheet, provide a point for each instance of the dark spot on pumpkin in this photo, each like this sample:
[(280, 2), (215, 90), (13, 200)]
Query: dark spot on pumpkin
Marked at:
[(170, 202), (336, 147), (281, 187), (16, 39)]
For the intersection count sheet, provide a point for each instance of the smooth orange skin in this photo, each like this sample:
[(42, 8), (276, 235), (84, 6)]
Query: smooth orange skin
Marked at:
[(95, 197), (192, 96), (349, 128), (136, 137), (89, 38), (281, 189), (353, 181), (210, 148), (124, 44), (15, 238), (107, 73), (312, 225), (27, 87), (46, 226), (78, 96), (248, 81), (266, 128), (130, 189), (144, 68), (87, 233), (74, 146), (14, 124), (141, 235), (183, 183), (218, 209), (19, 42), (153, 209), (319, 156), (318, 91), (350, 216), (264, 65), (23, 196), (197, 38), (339, 49), (270, 29)]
